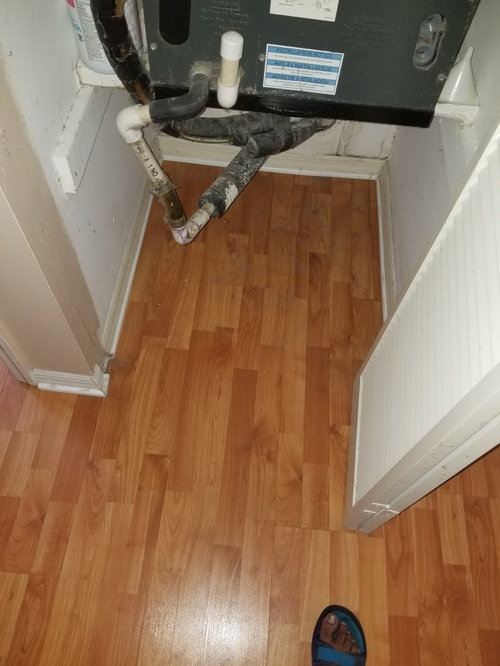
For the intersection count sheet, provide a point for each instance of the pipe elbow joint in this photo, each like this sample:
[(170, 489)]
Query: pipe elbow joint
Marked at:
[(185, 234), (185, 106), (131, 120)]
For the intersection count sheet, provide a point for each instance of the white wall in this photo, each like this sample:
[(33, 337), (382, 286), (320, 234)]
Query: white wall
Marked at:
[(47, 317), (428, 167), (38, 53), (21, 318)]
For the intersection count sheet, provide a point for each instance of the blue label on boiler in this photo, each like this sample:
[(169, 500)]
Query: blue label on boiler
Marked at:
[(307, 70)]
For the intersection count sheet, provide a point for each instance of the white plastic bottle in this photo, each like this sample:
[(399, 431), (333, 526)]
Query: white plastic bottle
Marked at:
[(89, 46)]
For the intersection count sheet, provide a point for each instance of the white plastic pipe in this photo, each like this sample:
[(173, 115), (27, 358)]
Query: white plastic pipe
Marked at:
[(131, 120), (231, 50), (150, 164)]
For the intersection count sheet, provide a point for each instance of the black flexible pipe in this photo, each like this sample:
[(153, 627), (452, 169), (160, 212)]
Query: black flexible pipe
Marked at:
[(237, 129), (184, 106), (285, 136), (276, 132), (243, 167), (113, 31)]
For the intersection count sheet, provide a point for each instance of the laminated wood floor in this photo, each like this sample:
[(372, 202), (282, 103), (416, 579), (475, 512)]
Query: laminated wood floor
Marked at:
[(194, 516)]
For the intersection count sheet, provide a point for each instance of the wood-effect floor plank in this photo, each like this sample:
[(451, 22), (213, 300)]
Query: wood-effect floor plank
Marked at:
[(12, 591), (195, 515)]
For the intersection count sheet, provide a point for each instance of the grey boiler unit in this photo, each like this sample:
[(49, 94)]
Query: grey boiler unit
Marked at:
[(379, 61)]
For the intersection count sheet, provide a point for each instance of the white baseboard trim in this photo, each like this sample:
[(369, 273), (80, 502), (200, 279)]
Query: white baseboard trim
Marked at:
[(116, 313), (97, 383), (292, 161), (386, 244), (66, 382)]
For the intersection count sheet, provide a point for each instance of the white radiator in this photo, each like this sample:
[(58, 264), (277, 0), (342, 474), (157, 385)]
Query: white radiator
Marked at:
[(433, 378)]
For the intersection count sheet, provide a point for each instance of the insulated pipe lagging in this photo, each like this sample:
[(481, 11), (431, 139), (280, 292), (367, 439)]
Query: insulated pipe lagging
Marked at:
[(286, 136), (249, 160), (220, 195), (237, 129), (235, 177), (117, 42)]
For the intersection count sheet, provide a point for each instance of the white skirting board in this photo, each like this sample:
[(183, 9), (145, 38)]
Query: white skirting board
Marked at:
[(65, 382), (97, 383), (339, 166)]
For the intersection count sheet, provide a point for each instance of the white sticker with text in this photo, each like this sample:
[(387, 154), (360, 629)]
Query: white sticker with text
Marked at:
[(319, 10)]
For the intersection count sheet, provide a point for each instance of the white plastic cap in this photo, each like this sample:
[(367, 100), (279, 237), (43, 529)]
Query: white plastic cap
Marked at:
[(231, 45)]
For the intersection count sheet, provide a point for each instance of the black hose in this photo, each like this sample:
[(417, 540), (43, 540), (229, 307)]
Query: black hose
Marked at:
[(237, 129), (113, 31), (275, 131), (284, 136), (184, 106)]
